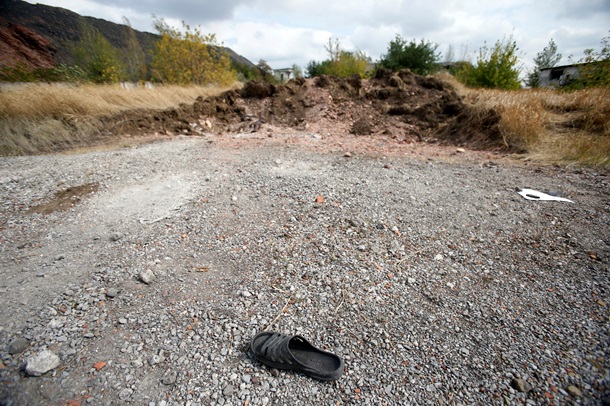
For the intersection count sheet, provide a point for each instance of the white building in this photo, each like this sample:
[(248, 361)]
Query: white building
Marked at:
[(284, 75)]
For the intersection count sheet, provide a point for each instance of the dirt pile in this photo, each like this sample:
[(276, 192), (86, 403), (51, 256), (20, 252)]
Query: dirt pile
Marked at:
[(399, 105)]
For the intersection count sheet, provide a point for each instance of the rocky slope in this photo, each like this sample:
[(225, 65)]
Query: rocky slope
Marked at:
[(36, 35)]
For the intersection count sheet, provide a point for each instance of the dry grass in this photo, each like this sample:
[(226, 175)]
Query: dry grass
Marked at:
[(39, 118), (549, 125)]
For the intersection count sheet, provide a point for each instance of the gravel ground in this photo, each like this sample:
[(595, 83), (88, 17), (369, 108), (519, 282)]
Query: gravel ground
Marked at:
[(435, 281)]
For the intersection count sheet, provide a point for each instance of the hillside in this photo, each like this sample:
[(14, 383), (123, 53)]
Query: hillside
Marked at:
[(39, 36)]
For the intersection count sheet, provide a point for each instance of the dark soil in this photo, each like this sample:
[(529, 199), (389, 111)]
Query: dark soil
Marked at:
[(400, 105)]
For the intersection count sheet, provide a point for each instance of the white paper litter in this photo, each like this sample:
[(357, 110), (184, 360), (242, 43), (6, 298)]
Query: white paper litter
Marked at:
[(531, 194)]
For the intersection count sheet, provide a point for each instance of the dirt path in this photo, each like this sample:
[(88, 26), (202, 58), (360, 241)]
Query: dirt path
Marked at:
[(418, 264)]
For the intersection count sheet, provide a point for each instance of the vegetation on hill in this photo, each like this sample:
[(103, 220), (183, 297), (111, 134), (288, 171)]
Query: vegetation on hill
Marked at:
[(340, 63)]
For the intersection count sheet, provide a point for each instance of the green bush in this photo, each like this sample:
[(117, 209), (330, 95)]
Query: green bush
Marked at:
[(547, 58), (341, 63), (495, 68), (421, 58), (595, 71), (97, 57)]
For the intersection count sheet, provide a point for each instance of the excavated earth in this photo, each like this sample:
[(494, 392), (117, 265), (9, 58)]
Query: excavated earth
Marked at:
[(366, 215), (398, 105)]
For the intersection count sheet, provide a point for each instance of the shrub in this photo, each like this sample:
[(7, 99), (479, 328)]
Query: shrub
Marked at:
[(190, 57), (495, 68), (421, 58)]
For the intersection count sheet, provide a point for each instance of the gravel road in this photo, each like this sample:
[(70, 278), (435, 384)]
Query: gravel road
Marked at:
[(434, 280)]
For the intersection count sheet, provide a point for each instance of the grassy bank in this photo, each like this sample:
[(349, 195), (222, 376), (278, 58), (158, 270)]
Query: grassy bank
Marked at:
[(549, 125), (38, 118)]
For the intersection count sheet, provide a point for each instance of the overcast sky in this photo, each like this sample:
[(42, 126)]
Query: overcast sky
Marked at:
[(287, 32)]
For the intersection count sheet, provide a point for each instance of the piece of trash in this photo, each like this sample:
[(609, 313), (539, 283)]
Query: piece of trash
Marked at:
[(531, 194)]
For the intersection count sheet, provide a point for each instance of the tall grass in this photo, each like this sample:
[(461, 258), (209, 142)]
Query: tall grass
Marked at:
[(549, 125), (38, 118)]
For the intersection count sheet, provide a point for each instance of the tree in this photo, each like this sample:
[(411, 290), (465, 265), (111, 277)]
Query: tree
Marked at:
[(266, 71), (420, 57), (133, 55), (595, 71), (189, 57), (450, 54), (97, 57), (495, 68), (298, 72), (341, 63), (547, 58), (315, 68)]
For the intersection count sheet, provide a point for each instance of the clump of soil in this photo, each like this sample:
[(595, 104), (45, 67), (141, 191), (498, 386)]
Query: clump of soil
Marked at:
[(65, 199), (400, 105)]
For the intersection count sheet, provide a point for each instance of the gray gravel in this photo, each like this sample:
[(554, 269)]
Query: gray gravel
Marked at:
[(436, 282)]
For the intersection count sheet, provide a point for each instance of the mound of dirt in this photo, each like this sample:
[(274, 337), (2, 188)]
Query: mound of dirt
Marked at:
[(400, 105)]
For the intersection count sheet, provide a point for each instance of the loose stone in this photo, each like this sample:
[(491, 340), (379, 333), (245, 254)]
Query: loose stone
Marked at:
[(41, 363)]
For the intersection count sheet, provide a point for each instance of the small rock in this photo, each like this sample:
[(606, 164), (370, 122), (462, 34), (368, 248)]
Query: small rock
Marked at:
[(438, 257), (147, 276), (125, 393), (41, 363), (18, 345), (114, 237), (99, 365), (521, 386), (275, 372), (410, 281), (228, 390), (123, 320), (460, 150), (347, 154), (112, 292), (155, 359), (169, 377), (574, 391), (245, 293), (246, 378)]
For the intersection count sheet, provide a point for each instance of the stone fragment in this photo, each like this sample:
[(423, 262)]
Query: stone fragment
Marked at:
[(169, 377), (147, 276), (112, 292), (155, 359), (228, 390), (125, 393), (41, 363), (99, 365), (520, 385), (18, 345), (574, 391)]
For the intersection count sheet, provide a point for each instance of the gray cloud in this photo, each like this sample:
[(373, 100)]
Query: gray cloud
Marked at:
[(189, 10)]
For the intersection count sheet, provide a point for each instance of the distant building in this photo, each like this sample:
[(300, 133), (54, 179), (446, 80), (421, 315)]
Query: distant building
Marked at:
[(558, 76), (284, 75)]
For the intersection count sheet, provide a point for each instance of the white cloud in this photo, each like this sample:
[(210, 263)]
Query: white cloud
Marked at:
[(286, 32)]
